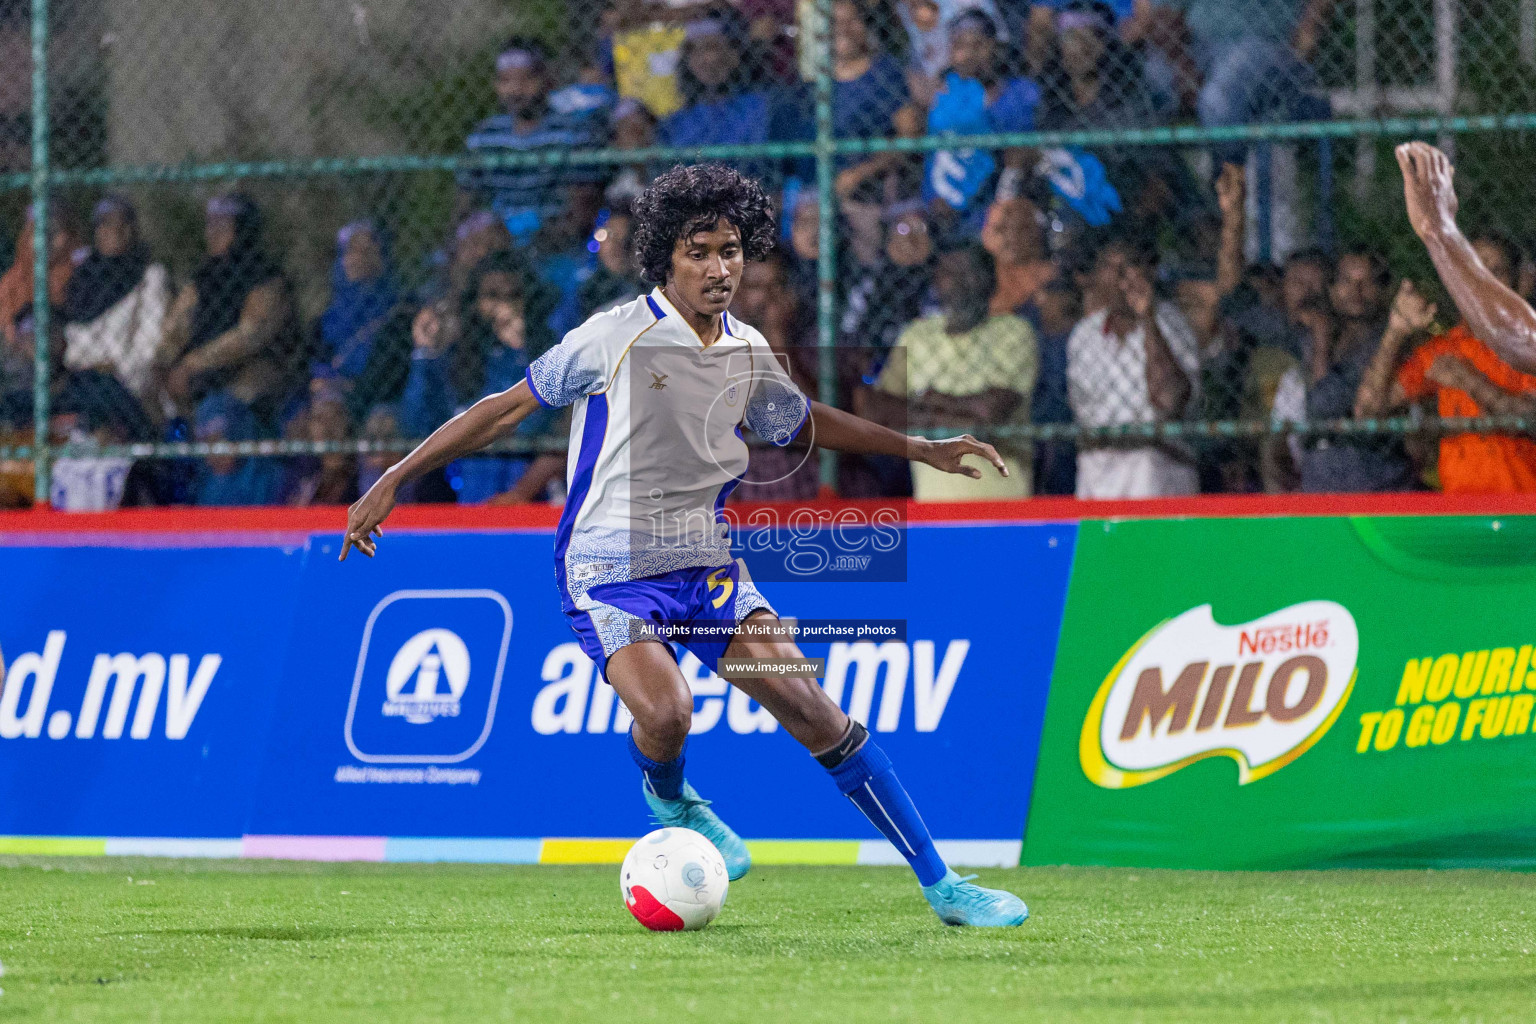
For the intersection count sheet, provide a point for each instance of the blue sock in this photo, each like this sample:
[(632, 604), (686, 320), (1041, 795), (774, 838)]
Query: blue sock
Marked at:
[(662, 778), (866, 777)]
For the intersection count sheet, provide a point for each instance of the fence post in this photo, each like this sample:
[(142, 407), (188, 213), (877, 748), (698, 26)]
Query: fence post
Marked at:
[(826, 251), (40, 231)]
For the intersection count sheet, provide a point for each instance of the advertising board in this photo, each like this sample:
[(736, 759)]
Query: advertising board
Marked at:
[(1277, 693), (433, 701)]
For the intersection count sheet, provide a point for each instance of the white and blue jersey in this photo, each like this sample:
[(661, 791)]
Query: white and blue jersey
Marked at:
[(656, 448)]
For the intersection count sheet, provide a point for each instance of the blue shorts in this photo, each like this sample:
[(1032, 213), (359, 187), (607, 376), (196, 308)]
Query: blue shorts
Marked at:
[(699, 608)]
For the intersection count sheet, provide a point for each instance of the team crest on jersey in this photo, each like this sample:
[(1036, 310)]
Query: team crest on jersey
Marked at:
[(732, 392)]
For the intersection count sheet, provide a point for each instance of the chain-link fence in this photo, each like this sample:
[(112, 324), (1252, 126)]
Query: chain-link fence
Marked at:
[(257, 249)]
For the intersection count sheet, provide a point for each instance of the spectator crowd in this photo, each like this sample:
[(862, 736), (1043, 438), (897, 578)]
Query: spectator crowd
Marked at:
[(1101, 287)]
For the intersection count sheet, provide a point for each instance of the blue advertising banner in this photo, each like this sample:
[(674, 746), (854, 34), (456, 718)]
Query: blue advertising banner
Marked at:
[(138, 686), (436, 691)]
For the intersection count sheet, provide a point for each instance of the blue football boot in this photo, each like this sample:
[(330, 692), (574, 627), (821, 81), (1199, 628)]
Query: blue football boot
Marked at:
[(692, 811), (957, 901)]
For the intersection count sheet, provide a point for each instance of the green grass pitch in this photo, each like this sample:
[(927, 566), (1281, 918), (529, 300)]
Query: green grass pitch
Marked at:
[(106, 939)]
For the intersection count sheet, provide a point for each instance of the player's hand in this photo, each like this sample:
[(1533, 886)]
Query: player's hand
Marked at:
[(1411, 312), (366, 517), (947, 453), (1429, 188)]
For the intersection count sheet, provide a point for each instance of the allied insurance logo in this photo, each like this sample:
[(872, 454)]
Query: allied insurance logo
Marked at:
[(428, 676), (1262, 693)]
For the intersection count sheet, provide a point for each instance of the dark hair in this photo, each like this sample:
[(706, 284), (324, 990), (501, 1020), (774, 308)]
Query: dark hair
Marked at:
[(982, 263), (476, 341), (868, 16), (693, 198), (102, 401), (973, 17), (1499, 240), (1379, 268), (1140, 251), (503, 262), (242, 209), (1313, 255)]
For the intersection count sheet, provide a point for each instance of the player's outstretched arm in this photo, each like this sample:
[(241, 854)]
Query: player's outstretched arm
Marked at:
[(844, 432), (481, 424), (1494, 313)]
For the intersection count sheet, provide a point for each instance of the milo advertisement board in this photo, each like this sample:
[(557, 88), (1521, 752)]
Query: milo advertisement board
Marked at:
[(1285, 693)]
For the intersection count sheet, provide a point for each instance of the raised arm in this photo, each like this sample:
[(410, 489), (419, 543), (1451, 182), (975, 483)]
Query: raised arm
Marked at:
[(1231, 194), (481, 424), (1380, 391), (844, 432), (1495, 314)]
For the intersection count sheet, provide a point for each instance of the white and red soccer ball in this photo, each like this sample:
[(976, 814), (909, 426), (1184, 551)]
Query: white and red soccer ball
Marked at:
[(673, 880)]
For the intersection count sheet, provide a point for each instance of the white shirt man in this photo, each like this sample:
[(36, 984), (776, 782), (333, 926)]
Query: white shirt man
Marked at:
[(1107, 386)]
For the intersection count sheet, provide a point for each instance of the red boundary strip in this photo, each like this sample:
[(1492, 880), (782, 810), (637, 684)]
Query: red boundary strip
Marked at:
[(544, 517)]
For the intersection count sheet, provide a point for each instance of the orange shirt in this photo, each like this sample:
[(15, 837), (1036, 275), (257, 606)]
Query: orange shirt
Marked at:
[(1474, 463)]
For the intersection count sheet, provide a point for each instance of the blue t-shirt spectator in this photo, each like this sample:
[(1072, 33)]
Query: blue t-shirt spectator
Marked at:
[(865, 106), (224, 480), (961, 107), (721, 103), (733, 119)]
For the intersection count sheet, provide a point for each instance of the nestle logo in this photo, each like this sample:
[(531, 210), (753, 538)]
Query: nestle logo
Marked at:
[(1281, 639)]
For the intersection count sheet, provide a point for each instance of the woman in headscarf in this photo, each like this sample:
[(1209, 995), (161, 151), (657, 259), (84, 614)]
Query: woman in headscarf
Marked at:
[(114, 307), (329, 478), (363, 294), (16, 286), (233, 326)]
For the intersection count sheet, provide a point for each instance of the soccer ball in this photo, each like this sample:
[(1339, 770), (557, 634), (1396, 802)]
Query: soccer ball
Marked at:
[(673, 880)]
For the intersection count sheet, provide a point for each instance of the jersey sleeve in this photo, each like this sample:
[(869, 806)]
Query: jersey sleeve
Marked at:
[(580, 365), (776, 408)]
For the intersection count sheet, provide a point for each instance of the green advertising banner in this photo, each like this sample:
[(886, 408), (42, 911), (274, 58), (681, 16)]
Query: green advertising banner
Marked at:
[(1293, 692)]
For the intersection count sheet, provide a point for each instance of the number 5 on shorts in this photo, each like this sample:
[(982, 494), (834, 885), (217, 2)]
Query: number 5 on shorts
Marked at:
[(721, 578)]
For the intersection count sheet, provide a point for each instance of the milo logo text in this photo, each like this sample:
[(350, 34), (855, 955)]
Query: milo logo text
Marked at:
[(1261, 693)]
